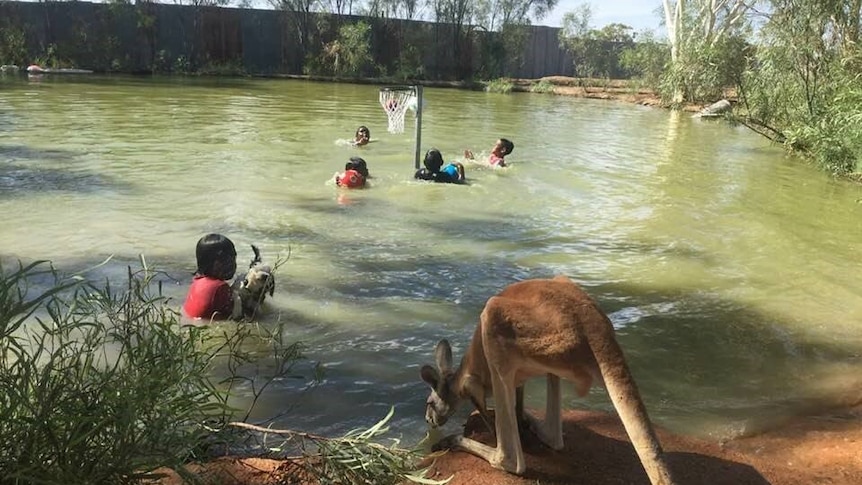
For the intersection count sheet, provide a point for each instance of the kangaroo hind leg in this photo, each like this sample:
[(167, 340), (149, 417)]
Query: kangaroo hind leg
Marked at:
[(550, 430)]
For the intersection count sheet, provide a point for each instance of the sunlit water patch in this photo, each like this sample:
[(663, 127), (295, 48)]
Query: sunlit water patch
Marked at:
[(730, 271)]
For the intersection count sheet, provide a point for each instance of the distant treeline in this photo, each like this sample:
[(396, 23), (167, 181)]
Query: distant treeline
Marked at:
[(151, 37)]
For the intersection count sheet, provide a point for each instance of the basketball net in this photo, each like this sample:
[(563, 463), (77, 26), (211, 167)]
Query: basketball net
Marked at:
[(395, 102)]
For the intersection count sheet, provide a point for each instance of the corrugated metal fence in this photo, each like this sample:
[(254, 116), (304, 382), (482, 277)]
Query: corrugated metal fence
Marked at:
[(149, 36)]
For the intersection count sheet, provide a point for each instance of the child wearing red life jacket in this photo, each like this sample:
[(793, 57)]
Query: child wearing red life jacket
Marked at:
[(210, 297), (502, 148), (355, 174)]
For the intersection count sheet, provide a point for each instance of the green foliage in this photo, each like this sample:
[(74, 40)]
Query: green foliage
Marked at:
[(803, 88), (13, 45), (500, 85), (492, 55), (349, 54), (182, 65), (100, 384), (409, 64), (514, 38), (705, 70), (596, 52), (646, 60), (543, 86), (50, 58), (358, 458)]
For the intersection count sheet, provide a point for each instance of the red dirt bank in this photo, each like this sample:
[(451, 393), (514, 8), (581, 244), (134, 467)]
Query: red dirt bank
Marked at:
[(820, 449)]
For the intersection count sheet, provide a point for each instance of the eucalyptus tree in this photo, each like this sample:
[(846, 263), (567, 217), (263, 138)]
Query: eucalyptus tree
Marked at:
[(503, 52), (496, 14), (402, 9), (339, 7), (299, 15), (703, 35), (596, 52), (454, 19), (804, 90)]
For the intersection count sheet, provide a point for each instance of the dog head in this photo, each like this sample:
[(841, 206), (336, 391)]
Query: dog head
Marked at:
[(259, 280)]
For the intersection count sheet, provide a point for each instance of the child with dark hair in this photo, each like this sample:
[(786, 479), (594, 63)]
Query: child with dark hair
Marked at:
[(210, 297), (355, 174), (452, 173), (362, 137), (502, 148)]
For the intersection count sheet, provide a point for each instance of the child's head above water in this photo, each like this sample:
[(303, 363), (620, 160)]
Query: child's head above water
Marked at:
[(216, 257), (433, 160), (358, 164), (363, 132), (503, 147)]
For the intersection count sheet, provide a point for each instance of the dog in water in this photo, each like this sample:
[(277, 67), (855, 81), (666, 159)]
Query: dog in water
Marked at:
[(257, 283)]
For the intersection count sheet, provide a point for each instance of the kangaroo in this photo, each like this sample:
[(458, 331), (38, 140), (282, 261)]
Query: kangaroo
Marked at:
[(538, 327)]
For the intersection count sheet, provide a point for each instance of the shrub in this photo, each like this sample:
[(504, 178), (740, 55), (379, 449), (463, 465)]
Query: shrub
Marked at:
[(348, 55), (101, 384), (543, 86), (500, 85), (13, 45)]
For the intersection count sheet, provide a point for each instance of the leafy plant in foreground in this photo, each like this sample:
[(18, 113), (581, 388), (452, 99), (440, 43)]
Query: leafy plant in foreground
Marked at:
[(102, 385), (99, 385), (355, 458)]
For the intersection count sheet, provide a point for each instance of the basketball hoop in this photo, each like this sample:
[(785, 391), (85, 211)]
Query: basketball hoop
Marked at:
[(395, 101)]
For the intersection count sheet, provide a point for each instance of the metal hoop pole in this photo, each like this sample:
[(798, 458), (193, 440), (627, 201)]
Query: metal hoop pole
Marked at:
[(418, 90)]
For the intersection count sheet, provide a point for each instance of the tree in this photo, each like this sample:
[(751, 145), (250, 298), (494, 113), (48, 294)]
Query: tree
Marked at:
[(697, 31), (647, 59), (803, 89), (596, 52), (300, 15), (350, 53), (517, 12)]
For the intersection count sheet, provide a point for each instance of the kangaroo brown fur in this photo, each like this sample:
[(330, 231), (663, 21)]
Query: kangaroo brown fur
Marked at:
[(539, 327)]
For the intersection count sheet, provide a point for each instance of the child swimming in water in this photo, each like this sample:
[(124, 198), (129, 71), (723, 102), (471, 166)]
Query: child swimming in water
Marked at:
[(452, 173), (210, 297), (502, 148), (354, 175), (362, 137)]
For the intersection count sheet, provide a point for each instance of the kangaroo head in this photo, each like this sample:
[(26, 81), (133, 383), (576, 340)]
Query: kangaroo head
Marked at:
[(444, 398)]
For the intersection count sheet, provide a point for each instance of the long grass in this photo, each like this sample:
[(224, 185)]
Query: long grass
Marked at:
[(101, 385)]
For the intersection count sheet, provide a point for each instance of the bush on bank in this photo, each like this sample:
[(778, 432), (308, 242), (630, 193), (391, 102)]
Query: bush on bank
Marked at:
[(101, 384)]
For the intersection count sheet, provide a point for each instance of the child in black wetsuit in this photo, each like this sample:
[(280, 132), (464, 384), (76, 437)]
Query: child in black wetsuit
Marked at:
[(434, 170)]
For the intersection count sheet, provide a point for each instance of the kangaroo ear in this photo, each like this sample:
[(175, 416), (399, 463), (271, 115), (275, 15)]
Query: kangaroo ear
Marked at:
[(430, 375), (443, 354)]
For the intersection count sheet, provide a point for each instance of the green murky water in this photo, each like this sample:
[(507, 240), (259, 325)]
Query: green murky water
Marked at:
[(731, 272)]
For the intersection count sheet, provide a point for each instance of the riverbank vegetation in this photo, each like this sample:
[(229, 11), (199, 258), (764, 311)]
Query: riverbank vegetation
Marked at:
[(794, 66), (100, 384)]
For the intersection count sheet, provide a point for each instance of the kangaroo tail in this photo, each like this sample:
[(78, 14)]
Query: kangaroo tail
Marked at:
[(627, 401)]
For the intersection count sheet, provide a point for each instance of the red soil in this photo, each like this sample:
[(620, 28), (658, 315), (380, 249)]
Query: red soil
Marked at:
[(809, 450)]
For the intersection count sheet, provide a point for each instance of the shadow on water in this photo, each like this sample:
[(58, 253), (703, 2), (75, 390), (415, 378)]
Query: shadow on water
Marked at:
[(20, 173), (693, 353), (17, 152)]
